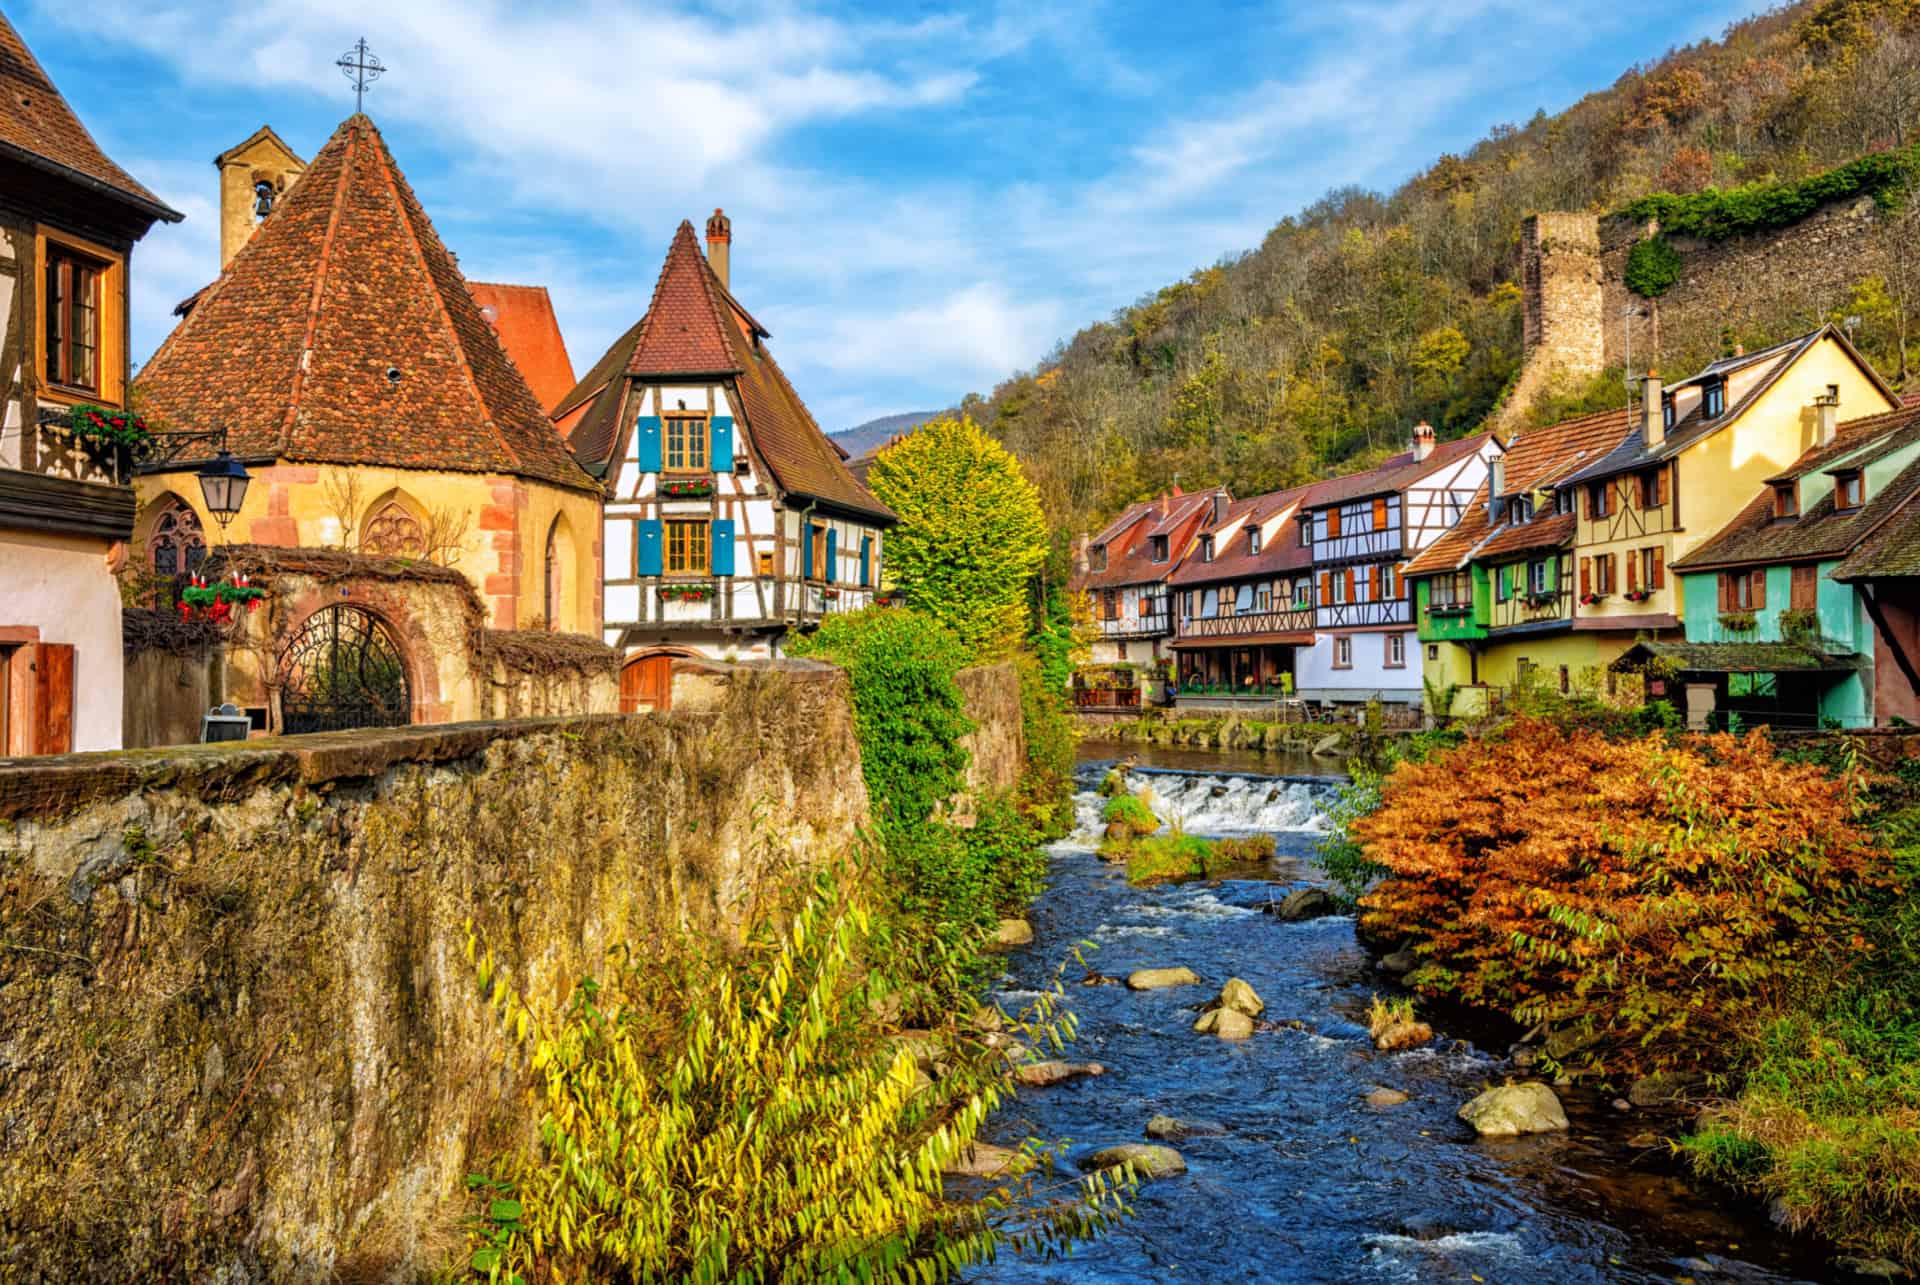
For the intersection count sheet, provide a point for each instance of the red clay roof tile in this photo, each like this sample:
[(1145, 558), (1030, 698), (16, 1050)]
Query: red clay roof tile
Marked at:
[(685, 329), (523, 318)]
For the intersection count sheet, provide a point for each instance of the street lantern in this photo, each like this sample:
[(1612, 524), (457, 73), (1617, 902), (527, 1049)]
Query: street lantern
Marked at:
[(223, 484)]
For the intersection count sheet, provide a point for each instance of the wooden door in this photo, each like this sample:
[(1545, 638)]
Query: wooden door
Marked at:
[(646, 683), (52, 698)]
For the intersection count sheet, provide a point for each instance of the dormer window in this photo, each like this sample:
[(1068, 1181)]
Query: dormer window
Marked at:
[(1159, 543), (1522, 509), (1713, 398), (1097, 558), (1786, 500), (1206, 548), (1666, 409), (1849, 489), (1563, 502), (1306, 532), (1253, 539)]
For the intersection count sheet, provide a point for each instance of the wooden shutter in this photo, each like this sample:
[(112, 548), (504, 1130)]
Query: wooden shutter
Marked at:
[(1759, 577), (1333, 522), (720, 444), (1660, 566), (721, 553), (1661, 483), (1326, 587), (1373, 583), (833, 556), (647, 445), (806, 549), (1726, 591), (866, 560), (1350, 594), (1586, 576), (1380, 513), (650, 550), (1804, 592), (52, 729), (1633, 570)]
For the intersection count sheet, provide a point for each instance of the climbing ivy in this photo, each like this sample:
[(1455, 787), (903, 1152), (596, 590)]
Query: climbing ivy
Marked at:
[(1653, 266), (1715, 215)]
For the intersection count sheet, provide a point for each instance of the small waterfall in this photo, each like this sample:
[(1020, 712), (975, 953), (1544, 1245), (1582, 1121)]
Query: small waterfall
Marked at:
[(1216, 803)]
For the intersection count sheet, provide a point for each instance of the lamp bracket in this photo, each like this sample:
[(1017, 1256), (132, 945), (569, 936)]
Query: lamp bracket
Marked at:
[(168, 449)]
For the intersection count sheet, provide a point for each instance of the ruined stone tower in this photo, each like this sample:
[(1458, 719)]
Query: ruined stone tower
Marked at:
[(1565, 326)]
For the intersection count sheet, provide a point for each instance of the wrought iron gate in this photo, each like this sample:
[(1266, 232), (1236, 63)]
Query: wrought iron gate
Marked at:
[(342, 670)]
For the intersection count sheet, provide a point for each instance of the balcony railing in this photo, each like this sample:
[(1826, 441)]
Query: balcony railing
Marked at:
[(1153, 622), (1107, 698), (1240, 625), (50, 448)]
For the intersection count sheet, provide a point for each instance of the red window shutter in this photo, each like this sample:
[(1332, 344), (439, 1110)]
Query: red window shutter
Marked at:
[(1660, 566), (1373, 583), (1611, 577), (1380, 513), (1805, 593), (1586, 576), (1333, 523), (1350, 593), (1661, 483), (1759, 588), (1726, 589), (52, 731), (1633, 570), (1326, 587)]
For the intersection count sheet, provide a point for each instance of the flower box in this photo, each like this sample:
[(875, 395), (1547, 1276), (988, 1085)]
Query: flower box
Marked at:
[(698, 488), (686, 592), (1536, 601), (830, 595), (1592, 599), (1638, 595), (99, 424), (1447, 610), (216, 602), (1738, 622)]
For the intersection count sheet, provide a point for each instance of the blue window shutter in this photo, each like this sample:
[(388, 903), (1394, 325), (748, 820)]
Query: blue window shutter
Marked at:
[(833, 552), (806, 549), (652, 551), (866, 559), (722, 444), (723, 546), (647, 430)]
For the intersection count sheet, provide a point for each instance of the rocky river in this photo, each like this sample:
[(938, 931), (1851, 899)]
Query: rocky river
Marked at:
[(1302, 1179)]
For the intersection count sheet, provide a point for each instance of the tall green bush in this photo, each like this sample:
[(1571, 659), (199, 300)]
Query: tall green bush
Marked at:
[(1716, 214)]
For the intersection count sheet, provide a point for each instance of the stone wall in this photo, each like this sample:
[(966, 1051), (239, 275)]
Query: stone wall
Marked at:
[(997, 747), (240, 1036)]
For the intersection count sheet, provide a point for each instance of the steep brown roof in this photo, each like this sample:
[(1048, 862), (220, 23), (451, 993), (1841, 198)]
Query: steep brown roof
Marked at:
[(1129, 549), (685, 329), (1280, 548), (523, 318), (1535, 459), (1396, 473), (346, 281), (38, 126)]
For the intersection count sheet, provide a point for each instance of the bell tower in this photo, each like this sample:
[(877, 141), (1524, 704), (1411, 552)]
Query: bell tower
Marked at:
[(254, 175)]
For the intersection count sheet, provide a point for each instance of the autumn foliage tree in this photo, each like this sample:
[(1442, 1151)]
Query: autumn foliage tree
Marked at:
[(1646, 901), (971, 534)]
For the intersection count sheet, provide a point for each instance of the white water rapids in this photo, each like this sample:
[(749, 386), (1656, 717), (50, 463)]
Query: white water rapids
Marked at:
[(1216, 804)]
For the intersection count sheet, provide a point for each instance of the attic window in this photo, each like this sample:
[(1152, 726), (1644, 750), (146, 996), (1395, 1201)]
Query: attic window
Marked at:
[(1786, 500), (1206, 548), (1849, 489), (1563, 501), (1253, 539), (1097, 558), (1666, 409), (1159, 548), (1713, 399), (1306, 532), (1522, 509)]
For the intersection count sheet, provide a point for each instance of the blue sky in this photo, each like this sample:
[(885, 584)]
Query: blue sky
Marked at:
[(925, 198)]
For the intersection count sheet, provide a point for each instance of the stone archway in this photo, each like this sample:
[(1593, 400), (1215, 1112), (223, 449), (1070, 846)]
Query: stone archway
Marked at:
[(343, 668)]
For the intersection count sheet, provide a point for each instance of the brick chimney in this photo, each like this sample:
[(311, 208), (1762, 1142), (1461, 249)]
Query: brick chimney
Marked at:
[(1422, 441), (1827, 410), (720, 246), (1653, 412)]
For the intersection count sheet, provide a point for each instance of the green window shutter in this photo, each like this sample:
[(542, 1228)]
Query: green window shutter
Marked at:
[(806, 549), (722, 444), (652, 547), (833, 552), (723, 546), (647, 431), (866, 559)]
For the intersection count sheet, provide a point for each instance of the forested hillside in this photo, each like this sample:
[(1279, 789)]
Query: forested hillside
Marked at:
[(1365, 313)]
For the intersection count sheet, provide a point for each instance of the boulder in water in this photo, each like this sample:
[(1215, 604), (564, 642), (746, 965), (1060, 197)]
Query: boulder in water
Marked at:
[(1013, 932), (1166, 1128), (1329, 746), (1384, 1097), (1513, 1109), (1399, 962), (1663, 1088), (984, 1160), (1227, 1023), (1240, 997), (1148, 1160), (1040, 1075), (1154, 979), (1304, 903), (1873, 1269)]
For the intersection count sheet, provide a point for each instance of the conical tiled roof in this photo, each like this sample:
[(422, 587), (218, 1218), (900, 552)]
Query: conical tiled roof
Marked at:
[(343, 333), (37, 124), (685, 330)]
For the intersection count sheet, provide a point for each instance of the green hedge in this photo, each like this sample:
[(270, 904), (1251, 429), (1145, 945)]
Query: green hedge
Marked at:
[(1715, 215)]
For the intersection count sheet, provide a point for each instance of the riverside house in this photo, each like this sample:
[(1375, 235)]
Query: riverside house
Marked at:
[(1793, 610), (1361, 530), (730, 518), (1494, 597), (1124, 571), (1243, 605), (69, 217)]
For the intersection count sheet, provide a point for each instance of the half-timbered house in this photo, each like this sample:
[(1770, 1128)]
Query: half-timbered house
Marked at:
[(730, 517), (69, 217), (1124, 571), (1243, 604), (1361, 530)]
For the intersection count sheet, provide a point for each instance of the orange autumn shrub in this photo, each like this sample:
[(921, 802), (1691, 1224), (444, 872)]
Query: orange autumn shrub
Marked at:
[(1644, 900)]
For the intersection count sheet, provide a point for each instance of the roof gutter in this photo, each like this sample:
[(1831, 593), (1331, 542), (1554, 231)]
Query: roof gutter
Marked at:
[(158, 209)]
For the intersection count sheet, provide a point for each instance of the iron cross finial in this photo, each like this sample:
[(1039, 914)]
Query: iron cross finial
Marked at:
[(360, 66)]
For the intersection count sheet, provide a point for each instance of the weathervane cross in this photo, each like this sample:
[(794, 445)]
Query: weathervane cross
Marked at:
[(360, 66)]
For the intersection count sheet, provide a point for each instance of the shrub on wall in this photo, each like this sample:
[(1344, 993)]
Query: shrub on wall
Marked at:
[(1642, 898), (1653, 267), (1716, 214)]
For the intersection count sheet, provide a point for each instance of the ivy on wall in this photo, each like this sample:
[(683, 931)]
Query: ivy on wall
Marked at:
[(1653, 267), (1715, 215)]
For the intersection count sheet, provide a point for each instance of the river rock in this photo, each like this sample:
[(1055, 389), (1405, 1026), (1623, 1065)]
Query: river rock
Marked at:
[(1039, 1075), (1663, 1088), (1154, 979), (1513, 1109), (1147, 1159), (1166, 1128), (1383, 1098), (1399, 962), (1227, 1023), (1873, 1269), (1013, 932), (1240, 997), (1305, 903), (1329, 746), (983, 1160)]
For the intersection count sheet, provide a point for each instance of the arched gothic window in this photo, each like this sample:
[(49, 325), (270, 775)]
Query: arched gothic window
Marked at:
[(176, 545), (553, 576), (393, 532)]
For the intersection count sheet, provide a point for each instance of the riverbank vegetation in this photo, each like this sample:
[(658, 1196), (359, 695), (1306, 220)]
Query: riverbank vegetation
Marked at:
[(1722, 920)]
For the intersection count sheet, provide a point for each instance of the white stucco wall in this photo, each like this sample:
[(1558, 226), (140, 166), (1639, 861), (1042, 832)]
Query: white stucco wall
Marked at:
[(1317, 679), (60, 585)]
